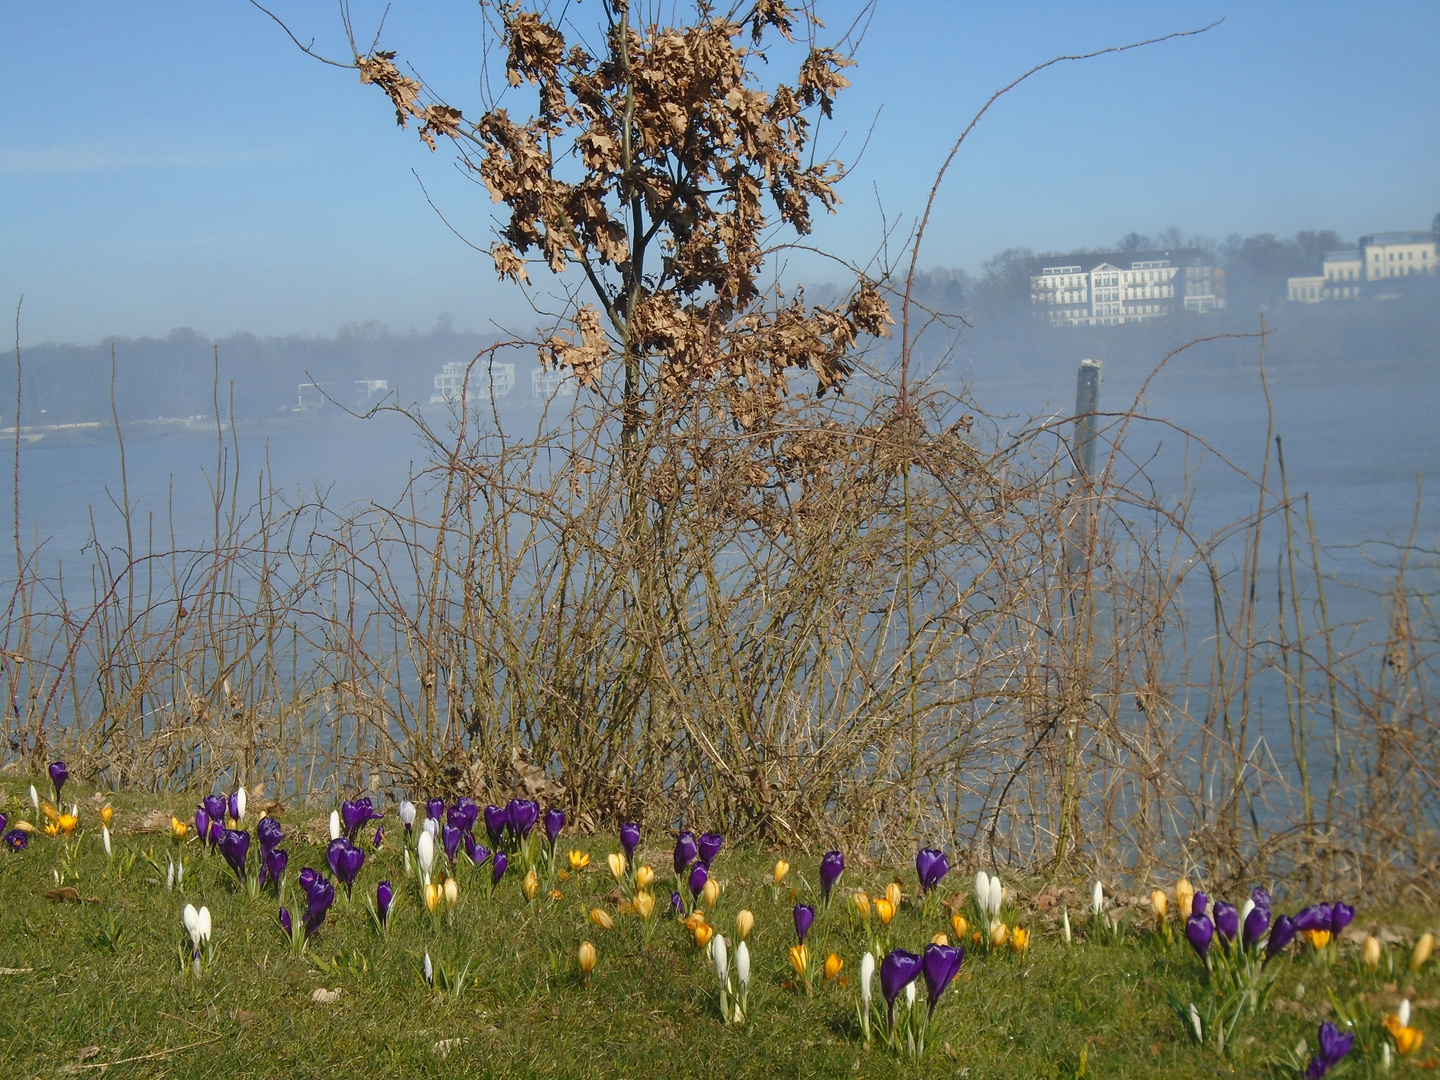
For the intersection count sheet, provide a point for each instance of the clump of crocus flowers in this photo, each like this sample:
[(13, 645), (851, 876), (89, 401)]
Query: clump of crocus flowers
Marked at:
[(907, 1022)]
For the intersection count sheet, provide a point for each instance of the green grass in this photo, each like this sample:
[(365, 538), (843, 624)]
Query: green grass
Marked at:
[(110, 975)]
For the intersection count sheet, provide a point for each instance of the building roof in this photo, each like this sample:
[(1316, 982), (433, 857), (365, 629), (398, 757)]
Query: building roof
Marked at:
[(1343, 256), (1122, 260), (1385, 238)]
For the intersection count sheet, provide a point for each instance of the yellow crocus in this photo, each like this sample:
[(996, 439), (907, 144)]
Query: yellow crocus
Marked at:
[(1159, 904), (892, 893), (1020, 939), (531, 885), (616, 859), (1318, 938), (68, 822), (50, 812), (703, 933), (961, 926), (884, 910), (1407, 1039), (744, 923), (781, 869), (1423, 948), (833, 964), (587, 958), (999, 934), (1184, 898), (710, 895), (694, 919), (52, 828), (644, 904), (941, 938), (452, 892), (1372, 953), (579, 860), (643, 877), (862, 904), (800, 959), (602, 919), (107, 815), (178, 828), (432, 897)]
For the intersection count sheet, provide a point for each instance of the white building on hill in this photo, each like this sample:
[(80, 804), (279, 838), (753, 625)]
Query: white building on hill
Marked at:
[(1380, 256), (486, 381), (1112, 289)]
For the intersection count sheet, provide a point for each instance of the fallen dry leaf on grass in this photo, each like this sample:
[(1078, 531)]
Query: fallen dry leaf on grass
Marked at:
[(321, 996)]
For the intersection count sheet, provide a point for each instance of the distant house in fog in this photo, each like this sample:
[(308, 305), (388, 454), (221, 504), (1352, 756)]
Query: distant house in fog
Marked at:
[(486, 381), (1379, 256), (1112, 289), (551, 382)]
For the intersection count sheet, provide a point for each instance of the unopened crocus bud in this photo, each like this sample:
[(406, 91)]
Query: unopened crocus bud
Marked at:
[(997, 895), (644, 876), (703, 933), (1097, 899), (710, 894), (833, 964), (1159, 904), (800, 960), (452, 893), (432, 897), (107, 815), (531, 885), (1184, 898), (644, 904), (867, 977), (862, 904), (1065, 925), (587, 958), (721, 955), (1423, 948), (602, 919), (384, 897), (334, 824), (884, 910), (781, 866), (616, 860), (742, 965), (407, 815), (892, 893), (105, 839), (630, 838), (961, 926), (999, 934), (1372, 953), (428, 970), (744, 923), (1020, 939)]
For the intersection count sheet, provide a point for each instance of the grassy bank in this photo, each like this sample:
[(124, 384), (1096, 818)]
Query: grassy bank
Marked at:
[(107, 978)]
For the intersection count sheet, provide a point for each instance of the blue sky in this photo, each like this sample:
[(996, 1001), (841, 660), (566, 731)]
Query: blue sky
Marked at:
[(183, 164)]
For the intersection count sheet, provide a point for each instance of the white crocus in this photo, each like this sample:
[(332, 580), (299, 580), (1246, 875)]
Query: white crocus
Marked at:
[(35, 799), (720, 954), (431, 827), (1097, 899), (334, 824), (1195, 1023), (429, 970), (425, 856), (1065, 925), (407, 861), (1403, 1013), (742, 975), (407, 814), (205, 924), (180, 873), (105, 839), (867, 977), (169, 873), (191, 918), (982, 892), (1245, 911), (240, 804), (910, 993), (997, 895)]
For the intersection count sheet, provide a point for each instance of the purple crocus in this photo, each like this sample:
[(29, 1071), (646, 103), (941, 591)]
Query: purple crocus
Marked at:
[(940, 964), (308, 877), (1334, 1045), (676, 904), (384, 897), (285, 923), (1199, 931), (351, 860), (58, 775), (216, 832), (709, 846), (269, 833), (272, 865), (497, 870), (1261, 897), (332, 853), (931, 866), (524, 813), (495, 821), (469, 812), (1256, 923), (214, 807), (202, 825), (3, 822), (235, 846), (1227, 922), (356, 814), (832, 865), (1198, 905), (698, 877), (685, 851), (555, 823), (804, 917), (1341, 916), (435, 809), (234, 805), (630, 839), (320, 896), (407, 815), (450, 840), (379, 839), (897, 971), (1314, 917), (17, 839)]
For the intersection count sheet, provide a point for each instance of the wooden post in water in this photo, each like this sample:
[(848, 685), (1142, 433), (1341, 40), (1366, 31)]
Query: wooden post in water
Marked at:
[(1087, 403)]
